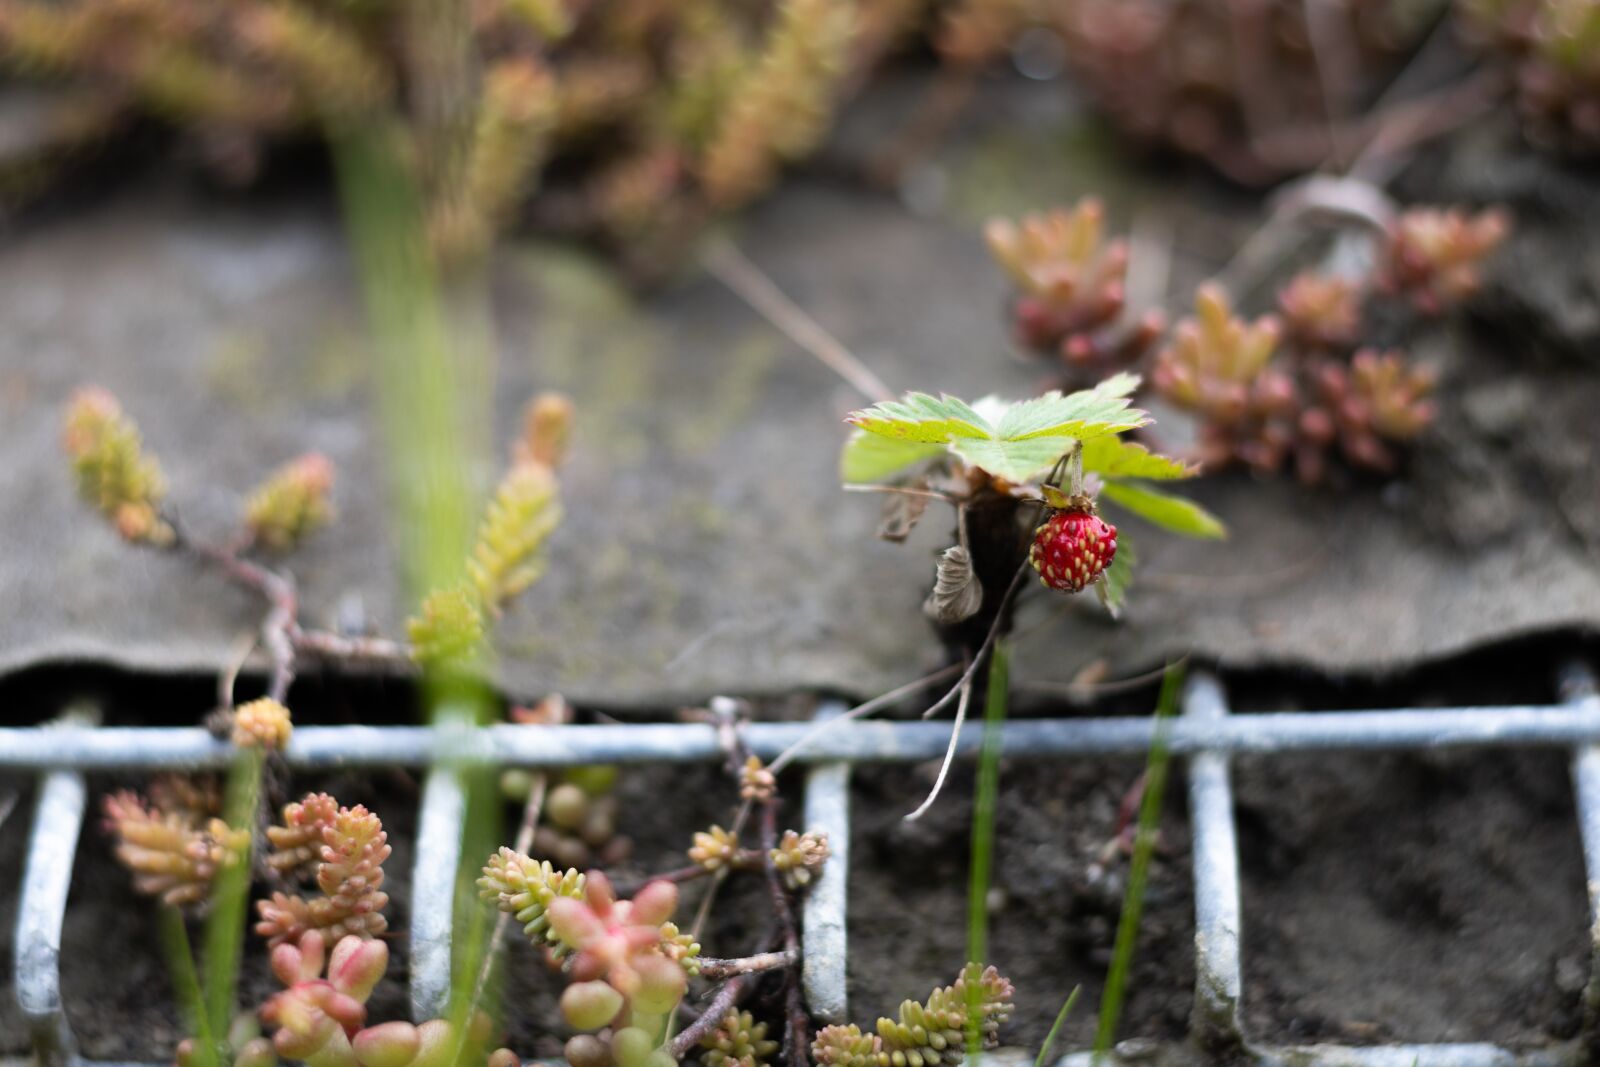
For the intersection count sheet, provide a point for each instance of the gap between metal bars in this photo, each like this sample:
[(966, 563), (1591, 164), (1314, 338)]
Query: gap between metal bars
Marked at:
[(1206, 733)]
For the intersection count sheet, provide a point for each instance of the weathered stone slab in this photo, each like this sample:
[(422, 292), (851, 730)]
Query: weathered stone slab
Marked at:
[(707, 546)]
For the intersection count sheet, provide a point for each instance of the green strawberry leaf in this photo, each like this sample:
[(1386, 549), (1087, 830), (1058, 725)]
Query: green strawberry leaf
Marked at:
[(1172, 513), (1115, 458), (1085, 414), (870, 458), (1015, 461), (1011, 441), (920, 417)]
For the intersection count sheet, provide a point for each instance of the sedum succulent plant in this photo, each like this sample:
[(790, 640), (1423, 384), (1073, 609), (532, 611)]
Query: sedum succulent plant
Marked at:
[(1071, 289), (174, 848), (1434, 256), (291, 503), (110, 467), (524, 888), (737, 1041), (321, 1020), (926, 1034), (350, 876)]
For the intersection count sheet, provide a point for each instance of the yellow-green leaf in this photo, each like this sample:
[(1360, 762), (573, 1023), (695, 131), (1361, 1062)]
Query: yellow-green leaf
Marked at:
[(1116, 458), (1172, 513), (870, 458), (920, 417)]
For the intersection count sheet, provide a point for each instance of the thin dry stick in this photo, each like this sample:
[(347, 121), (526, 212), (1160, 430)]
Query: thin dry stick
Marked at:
[(729, 266), (795, 1030), (761, 961), (949, 752), (715, 1012), (877, 703), (900, 490)]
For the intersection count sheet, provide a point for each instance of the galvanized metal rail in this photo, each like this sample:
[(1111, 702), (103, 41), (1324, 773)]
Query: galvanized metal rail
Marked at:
[(1206, 733)]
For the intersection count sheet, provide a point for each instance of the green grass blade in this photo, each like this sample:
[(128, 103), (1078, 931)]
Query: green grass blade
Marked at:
[(1055, 1027), (983, 809), (230, 896), (186, 983), (1155, 782)]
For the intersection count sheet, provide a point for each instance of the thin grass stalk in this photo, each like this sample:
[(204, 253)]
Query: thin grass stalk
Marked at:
[(996, 703), (1155, 778)]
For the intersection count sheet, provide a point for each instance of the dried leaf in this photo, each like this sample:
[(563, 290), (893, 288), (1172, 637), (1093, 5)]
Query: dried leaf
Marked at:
[(957, 593), (901, 513)]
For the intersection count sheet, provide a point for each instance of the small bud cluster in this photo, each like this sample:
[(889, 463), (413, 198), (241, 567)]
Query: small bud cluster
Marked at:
[(350, 875), (926, 1034), (322, 1020), (755, 781), (737, 1041), (799, 857), (291, 503), (1071, 290), (263, 724), (173, 841), (112, 472), (715, 849)]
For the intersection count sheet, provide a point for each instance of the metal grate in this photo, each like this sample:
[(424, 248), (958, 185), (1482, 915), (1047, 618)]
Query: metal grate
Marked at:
[(1206, 734)]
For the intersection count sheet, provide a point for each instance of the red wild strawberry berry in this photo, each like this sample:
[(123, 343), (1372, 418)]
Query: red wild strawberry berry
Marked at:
[(1071, 549)]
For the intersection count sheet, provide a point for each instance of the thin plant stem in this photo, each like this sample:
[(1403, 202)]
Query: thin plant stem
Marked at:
[(1139, 868), (719, 1007), (877, 703), (761, 961), (949, 753), (730, 266), (983, 813), (1055, 1027)]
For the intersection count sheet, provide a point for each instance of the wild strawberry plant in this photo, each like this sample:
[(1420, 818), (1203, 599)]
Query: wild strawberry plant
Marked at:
[(1002, 465)]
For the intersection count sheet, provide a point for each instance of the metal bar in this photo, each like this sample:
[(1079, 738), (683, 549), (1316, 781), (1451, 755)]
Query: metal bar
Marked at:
[(1578, 688), (1453, 1055), (1215, 1018), (42, 911), (824, 944), (324, 747), (433, 888)]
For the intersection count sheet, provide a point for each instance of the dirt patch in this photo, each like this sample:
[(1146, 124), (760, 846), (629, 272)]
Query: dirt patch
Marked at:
[(1056, 896), (1411, 897)]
